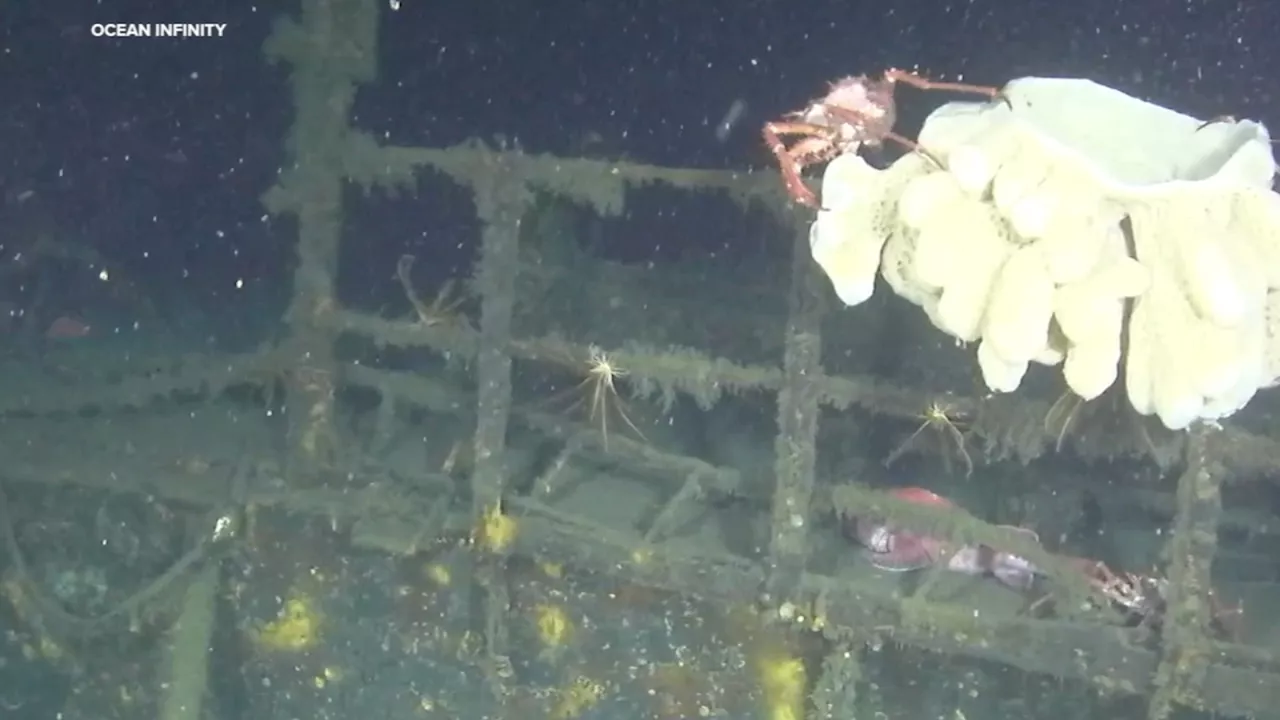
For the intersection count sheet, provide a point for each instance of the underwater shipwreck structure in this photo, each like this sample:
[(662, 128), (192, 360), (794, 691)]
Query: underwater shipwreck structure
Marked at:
[(355, 590)]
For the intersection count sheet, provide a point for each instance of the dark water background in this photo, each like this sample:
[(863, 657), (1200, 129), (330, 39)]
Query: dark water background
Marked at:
[(154, 151)]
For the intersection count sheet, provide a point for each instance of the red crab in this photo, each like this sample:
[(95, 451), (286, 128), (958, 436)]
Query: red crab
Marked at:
[(855, 112), (1141, 599)]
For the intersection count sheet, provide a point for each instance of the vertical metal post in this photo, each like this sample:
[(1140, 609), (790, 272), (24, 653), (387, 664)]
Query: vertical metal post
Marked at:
[(1185, 655), (501, 198), (798, 411), (332, 48)]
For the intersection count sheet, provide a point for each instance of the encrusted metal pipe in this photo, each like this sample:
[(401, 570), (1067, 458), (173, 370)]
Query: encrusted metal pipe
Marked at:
[(501, 198), (331, 49), (798, 409), (500, 204), (1185, 655), (190, 641)]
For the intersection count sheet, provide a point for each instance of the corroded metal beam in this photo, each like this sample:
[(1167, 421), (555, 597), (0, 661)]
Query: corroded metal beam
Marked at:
[(798, 409), (501, 199), (1193, 540)]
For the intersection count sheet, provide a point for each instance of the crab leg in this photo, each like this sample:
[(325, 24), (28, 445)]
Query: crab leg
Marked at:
[(815, 147), (896, 75)]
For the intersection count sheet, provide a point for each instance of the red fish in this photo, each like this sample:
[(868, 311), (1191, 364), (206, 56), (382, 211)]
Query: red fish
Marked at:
[(899, 550), (66, 327), (896, 549)]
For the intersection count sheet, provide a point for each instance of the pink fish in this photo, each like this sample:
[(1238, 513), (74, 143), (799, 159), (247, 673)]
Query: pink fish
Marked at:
[(899, 550), (66, 327)]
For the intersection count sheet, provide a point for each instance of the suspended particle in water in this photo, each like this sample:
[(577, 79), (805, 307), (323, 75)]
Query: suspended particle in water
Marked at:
[(730, 119)]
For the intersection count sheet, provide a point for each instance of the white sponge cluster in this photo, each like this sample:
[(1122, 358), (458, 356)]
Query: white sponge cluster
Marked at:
[(1036, 228)]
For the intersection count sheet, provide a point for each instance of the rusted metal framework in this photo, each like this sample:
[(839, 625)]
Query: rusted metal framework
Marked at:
[(330, 50)]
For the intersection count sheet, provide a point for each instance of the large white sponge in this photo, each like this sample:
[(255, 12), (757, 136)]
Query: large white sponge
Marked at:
[(855, 222), (1061, 214)]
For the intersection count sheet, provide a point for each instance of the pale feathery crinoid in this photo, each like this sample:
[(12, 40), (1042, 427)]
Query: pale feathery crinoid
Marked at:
[(444, 307), (944, 427), (1108, 417), (1061, 417), (597, 396)]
